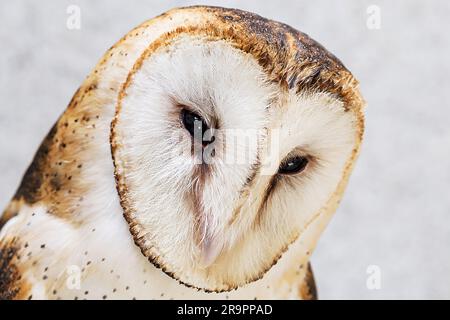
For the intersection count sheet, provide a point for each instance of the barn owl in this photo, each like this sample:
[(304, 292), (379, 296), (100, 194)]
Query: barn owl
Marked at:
[(145, 187)]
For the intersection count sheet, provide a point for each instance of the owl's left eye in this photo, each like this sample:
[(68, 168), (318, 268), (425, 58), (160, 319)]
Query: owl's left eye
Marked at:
[(194, 124), (293, 165)]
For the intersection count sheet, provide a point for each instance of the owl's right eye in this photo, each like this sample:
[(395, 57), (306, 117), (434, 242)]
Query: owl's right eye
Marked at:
[(194, 124), (293, 165)]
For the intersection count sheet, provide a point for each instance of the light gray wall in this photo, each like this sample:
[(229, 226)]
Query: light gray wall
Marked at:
[(395, 214)]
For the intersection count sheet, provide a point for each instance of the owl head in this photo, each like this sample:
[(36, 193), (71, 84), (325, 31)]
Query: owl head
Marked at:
[(233, 135)]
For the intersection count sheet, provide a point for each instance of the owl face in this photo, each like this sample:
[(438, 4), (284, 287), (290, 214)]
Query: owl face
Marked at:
[(219, 167)]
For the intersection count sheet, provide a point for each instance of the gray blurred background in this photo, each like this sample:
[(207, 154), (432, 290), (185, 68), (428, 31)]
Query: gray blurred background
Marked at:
[(395, 214)]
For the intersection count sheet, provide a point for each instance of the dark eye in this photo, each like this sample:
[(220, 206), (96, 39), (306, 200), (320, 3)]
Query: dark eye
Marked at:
[(194, 124), (293, 165)]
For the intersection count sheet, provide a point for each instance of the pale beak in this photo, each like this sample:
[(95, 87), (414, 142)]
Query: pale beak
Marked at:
[(211, 248)]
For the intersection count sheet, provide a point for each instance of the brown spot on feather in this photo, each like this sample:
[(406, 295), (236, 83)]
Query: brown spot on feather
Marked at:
[(12, 284), (30, 188), (307, 289)]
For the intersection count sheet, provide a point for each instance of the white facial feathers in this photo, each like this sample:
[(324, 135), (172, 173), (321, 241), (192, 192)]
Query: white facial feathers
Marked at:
[(215, 81), (221, 224)]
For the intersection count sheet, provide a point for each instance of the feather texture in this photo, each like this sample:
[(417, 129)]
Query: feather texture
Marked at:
[(114, 204)]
